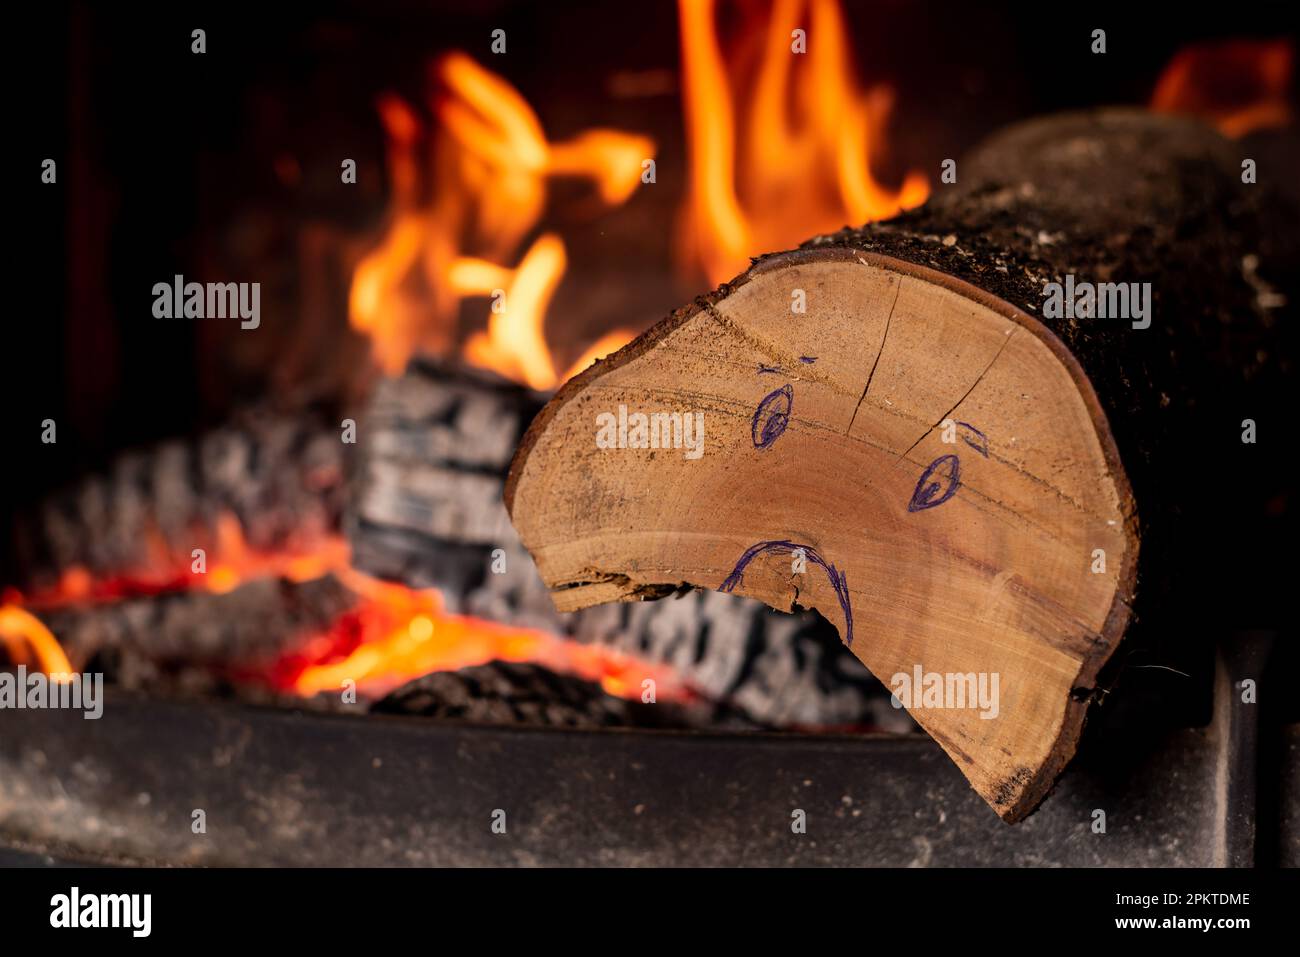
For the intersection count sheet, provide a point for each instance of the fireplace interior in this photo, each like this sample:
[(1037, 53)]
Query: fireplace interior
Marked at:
[(282, 541)]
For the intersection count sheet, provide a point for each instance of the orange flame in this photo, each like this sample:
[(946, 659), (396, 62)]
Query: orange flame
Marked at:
[(397, 634), (489, 163), (234, 561), (391, 635), (762, 182), (1238, 85), (468, 192), (26, 640)]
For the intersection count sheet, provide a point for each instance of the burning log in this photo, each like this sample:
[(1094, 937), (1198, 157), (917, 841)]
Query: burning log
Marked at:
[(108, 568), (265, 481), (256, 641), (902, 430), (197, 640)]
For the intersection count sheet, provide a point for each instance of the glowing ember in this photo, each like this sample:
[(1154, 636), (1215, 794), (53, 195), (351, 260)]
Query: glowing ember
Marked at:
[(758, 181), (489, 161), (391, 635), (233, 562), (1238, 85), (396, 634)]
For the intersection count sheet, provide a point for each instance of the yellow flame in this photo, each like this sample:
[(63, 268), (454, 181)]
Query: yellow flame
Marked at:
[(514, 343), (489, 164), (800, 163), (26, 639)]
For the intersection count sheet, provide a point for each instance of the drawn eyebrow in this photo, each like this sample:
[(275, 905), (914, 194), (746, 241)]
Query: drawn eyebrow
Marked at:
[(983, 446), (762, 369), (809, 360)]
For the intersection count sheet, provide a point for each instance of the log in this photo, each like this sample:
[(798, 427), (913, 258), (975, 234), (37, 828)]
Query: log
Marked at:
[(963, 483), (196, 640), (278, 473), (426, 509)]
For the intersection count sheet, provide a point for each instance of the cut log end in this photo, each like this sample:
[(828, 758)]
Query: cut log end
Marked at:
[(925, 465)]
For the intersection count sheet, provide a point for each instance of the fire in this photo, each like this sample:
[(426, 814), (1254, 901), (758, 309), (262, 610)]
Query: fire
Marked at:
[(454, 233), (514, 344), (777, 152), (391, 635), (759, 180), (396, 634), (767, 170), (161, 570), (26, 640), (1238, 85)]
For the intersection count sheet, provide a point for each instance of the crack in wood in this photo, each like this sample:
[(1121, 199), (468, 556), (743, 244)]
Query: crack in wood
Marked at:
[(630, 589), (993, 456), (898, 287), (978, 379)]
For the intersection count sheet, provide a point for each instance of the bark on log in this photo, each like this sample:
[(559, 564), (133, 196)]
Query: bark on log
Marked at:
[(949, 460)]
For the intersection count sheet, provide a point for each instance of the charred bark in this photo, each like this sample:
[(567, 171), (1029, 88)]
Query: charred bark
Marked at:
[(1129, 197)]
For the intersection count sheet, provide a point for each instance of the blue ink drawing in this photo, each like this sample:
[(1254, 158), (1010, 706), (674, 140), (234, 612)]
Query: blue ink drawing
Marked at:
[(925, 495), (837, 578), (982, 446), (772, 416)]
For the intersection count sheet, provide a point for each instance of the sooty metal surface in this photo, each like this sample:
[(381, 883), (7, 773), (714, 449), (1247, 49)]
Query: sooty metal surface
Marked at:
[(279, 787), (306, 789)]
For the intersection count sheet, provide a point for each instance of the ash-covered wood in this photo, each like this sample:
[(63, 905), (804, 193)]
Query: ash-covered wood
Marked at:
[(424, 503), (423, 507), (503, 692), (193, 639), (280, 475)]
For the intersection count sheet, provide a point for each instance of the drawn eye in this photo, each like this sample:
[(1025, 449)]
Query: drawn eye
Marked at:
[(772, 416), (928, 494)]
